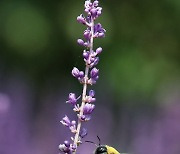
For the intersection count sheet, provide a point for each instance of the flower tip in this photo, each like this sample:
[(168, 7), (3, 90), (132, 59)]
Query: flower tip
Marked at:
[(80, 42), (99, 50)]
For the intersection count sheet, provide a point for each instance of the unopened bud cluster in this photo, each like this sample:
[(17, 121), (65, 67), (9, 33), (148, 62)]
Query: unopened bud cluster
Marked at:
[(87, 77)]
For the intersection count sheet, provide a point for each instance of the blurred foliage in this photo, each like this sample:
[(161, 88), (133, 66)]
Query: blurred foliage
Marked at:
[(141, 49)]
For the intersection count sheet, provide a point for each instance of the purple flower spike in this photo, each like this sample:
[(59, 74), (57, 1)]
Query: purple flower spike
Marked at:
[(66, 121), (87, 77), (72, 99)]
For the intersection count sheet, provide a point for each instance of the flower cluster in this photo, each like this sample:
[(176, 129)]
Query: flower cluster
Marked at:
[(87, 77)]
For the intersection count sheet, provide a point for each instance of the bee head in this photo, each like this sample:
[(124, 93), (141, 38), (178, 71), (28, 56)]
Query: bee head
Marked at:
[(101, 150)]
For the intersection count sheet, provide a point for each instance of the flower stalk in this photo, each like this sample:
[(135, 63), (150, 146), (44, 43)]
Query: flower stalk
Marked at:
[(88, 77)]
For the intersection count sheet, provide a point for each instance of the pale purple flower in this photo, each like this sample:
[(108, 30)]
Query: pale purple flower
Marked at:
[(67, 148), (66, 121), (98, 50), (83, 132), (88, 108), (99, 31), (81, 19), (72, 99), (90, 98), (78, 74), (94, 76), (80, 42)]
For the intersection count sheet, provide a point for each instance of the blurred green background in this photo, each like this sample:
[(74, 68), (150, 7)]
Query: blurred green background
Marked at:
[(139, 86)]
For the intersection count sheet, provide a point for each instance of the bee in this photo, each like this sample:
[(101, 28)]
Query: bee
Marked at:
[(103, 149)]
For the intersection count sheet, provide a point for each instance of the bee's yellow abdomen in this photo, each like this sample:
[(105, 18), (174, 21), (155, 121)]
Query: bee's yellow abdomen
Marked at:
[(111, 150)]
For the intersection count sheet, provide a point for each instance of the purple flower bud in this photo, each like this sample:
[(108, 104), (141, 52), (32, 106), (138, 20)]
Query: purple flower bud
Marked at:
[(99, 31), (73, 122), (67, 144), (98, 50), (86, 54), (83, 132), (94, 72), (80, 42), (81, 74), (81, 19), (72, 99), (75, 72), (101, 34), (88, 108), (93, 12), (87, 34), (73, 147), (73, 127), (95, 62), (66, 121), (95, 3), (76, 108), (92, 93), (84, 117), (99, 11)]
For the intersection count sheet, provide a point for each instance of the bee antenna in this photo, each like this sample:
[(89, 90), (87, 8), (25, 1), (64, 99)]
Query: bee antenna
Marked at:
[(92, 143), (99, 140)]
